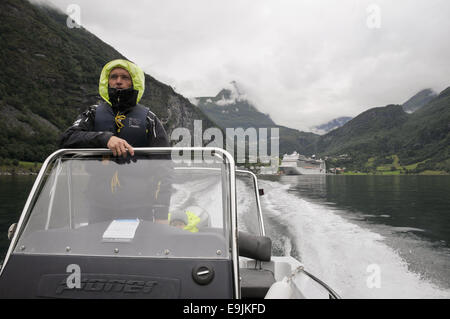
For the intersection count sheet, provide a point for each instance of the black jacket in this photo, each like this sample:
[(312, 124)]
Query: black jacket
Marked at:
[(82, 133)]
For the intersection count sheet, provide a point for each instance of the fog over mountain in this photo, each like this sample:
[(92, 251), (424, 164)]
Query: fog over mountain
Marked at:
[(330, 125), (419, 100)]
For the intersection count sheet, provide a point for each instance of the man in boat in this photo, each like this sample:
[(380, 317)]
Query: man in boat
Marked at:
[(120, 123)]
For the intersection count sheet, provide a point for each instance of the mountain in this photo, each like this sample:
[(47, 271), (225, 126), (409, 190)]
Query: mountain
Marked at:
[(363, 129), (419, 100), (426, 134), (416, 102), (331, 125), (50, 74), (386, 135), (420, 140), (230, 108)]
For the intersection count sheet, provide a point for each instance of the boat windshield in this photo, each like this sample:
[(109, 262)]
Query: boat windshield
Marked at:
[(150, 206)]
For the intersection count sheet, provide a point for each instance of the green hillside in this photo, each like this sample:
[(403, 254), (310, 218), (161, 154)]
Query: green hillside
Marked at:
[(387, 138), (426, 135), (367, 133)]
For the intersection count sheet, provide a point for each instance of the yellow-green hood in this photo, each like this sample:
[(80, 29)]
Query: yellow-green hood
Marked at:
[(137, 76)]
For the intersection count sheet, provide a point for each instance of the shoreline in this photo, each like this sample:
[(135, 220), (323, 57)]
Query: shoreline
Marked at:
[(20, 168), (30, 169), (423, 173), (18, 173)]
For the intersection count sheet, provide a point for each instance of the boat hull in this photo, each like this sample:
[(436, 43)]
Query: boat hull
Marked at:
[(106, 277)]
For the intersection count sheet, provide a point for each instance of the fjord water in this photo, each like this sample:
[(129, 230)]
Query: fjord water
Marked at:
[(366, 236), (14, 191)]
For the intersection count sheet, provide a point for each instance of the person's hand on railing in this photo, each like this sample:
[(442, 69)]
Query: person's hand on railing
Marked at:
[(119, 146)]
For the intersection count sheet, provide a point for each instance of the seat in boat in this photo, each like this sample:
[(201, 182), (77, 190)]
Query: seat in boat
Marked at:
[(255, 281)]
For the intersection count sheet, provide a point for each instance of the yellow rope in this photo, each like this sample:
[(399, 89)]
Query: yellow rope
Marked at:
[(157, 190), (118, 120), (115, 182)]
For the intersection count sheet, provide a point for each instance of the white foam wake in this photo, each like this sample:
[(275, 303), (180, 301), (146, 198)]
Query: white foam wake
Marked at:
[(343, 254)]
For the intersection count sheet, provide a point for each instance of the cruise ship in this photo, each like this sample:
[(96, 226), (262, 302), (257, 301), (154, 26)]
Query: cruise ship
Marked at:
[(297, 164)]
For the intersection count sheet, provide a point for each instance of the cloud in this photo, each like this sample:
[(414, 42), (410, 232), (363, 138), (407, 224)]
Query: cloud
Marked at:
[(303, 62)]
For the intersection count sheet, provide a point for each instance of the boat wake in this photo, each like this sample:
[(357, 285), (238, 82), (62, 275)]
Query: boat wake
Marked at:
[(354, 260)]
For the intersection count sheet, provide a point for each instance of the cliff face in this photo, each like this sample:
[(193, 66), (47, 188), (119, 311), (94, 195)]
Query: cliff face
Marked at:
[(50, 74), (173, 109)]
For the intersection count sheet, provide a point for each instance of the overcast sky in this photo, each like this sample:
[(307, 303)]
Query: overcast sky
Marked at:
[(302, 61)]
